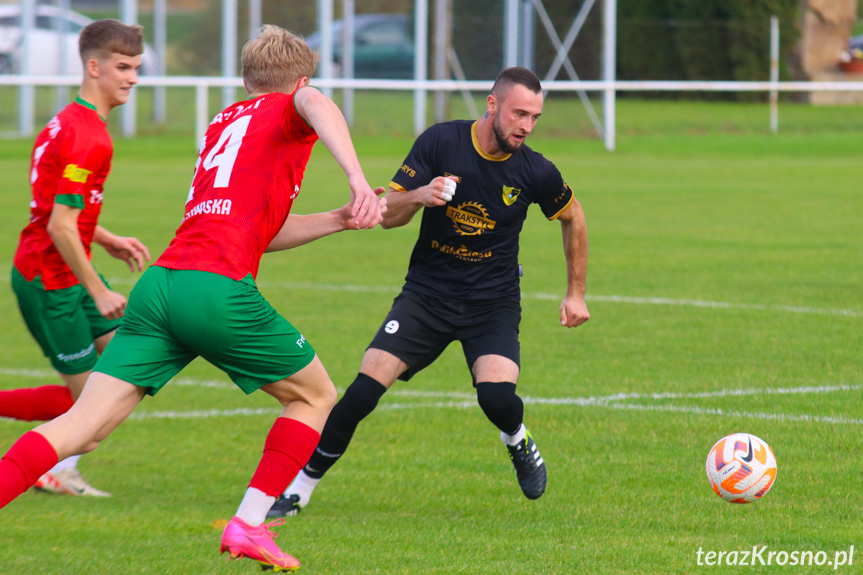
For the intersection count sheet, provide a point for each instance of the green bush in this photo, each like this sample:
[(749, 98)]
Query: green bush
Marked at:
[(749, 35), (656, 39), (705, 40), (646, 46)]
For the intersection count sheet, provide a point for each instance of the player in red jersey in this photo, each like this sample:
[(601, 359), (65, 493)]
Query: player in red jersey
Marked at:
[(68, 307), (200, 297)]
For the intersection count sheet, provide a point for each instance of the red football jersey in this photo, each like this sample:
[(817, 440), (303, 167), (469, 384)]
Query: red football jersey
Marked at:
[(250, 168), (70, 162)]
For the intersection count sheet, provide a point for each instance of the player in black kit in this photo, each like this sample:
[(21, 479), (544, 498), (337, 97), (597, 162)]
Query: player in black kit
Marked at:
[(463, 280)]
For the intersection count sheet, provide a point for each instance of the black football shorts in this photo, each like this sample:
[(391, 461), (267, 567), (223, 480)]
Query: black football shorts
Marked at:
[(419, 327)]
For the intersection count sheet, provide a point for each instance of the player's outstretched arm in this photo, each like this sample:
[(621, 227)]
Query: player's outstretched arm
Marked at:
[(130, 250), (326, 119), (301, 229), (63, 229), (573, 309), (403, 205)]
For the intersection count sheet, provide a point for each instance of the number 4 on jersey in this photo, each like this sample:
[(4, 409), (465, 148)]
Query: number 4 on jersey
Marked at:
[(223, 155)]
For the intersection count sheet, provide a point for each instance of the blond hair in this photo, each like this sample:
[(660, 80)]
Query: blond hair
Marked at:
[(275, 59), (102, 38)]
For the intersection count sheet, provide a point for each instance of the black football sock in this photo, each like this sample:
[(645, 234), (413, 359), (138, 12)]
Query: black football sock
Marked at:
[(359, 400)]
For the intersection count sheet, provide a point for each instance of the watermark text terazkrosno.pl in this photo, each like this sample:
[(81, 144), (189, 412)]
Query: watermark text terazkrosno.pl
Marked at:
[(763, 555)]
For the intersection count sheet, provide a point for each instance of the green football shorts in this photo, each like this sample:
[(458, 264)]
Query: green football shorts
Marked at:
[(174, 316), (64, 322)]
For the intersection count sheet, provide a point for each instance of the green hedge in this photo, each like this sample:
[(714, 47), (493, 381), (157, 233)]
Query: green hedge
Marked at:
[(656, 39), (704, 40)]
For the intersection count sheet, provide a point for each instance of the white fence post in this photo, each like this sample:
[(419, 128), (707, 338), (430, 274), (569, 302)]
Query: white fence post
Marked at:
[(202, 111), (348, 42), (61, 27), (129, 111), (510, 33), (324, 10), (774, 74), (160, 37), (26, 92), (420, 65), (609, 73), (229, 48)]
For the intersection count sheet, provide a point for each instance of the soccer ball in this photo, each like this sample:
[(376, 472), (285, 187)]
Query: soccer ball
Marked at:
[(741, 468)]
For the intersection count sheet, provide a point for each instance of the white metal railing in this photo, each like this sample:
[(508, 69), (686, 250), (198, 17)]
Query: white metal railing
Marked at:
[(202, 84)]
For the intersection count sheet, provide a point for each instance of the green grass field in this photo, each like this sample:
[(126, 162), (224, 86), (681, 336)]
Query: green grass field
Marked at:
[(725, 280)]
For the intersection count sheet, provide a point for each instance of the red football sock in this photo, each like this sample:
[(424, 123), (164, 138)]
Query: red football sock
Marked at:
[(23, 464), (36, 403), (288, 447)]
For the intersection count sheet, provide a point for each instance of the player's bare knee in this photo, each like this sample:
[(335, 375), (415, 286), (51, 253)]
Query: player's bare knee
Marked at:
[(69, 444), (92, 440), (89, 446), (321, 396), (327, 396)]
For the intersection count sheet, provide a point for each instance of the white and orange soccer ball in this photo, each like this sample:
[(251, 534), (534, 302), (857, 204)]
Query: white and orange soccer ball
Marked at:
[(741, 468)]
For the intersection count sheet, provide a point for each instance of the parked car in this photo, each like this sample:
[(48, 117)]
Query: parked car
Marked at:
[(45, 41), (383, 46)]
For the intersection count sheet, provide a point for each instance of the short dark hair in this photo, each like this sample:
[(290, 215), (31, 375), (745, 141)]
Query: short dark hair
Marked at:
[(102, 38), (516, 75)]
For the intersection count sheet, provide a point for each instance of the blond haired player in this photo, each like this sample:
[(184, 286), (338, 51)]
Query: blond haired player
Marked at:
[(200, 297)]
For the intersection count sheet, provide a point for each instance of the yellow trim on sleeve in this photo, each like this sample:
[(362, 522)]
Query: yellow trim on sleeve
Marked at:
[(560, 211), (397, 187)]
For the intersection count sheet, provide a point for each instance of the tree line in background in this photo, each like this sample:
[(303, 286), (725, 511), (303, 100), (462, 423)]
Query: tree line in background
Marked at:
[(656, 39), (704, 40)]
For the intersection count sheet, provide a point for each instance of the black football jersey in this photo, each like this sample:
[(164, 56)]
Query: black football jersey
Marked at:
[(468, 249)]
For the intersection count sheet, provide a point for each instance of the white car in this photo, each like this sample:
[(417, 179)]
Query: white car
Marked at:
[(45, 41)]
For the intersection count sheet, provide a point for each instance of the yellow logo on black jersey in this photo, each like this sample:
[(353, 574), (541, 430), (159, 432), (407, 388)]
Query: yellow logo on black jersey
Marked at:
[(461, 252), (470, 219), (448, 175), (510, 195), (563, 194)]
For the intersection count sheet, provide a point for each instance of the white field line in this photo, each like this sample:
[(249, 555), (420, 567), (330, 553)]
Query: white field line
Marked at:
[(605, 298), (618, 397), (583, 402), (463, 400), (710, 304), (296, 286), (666, 408), (204, 413), (215, 384), (741, 414), (394, 290)]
